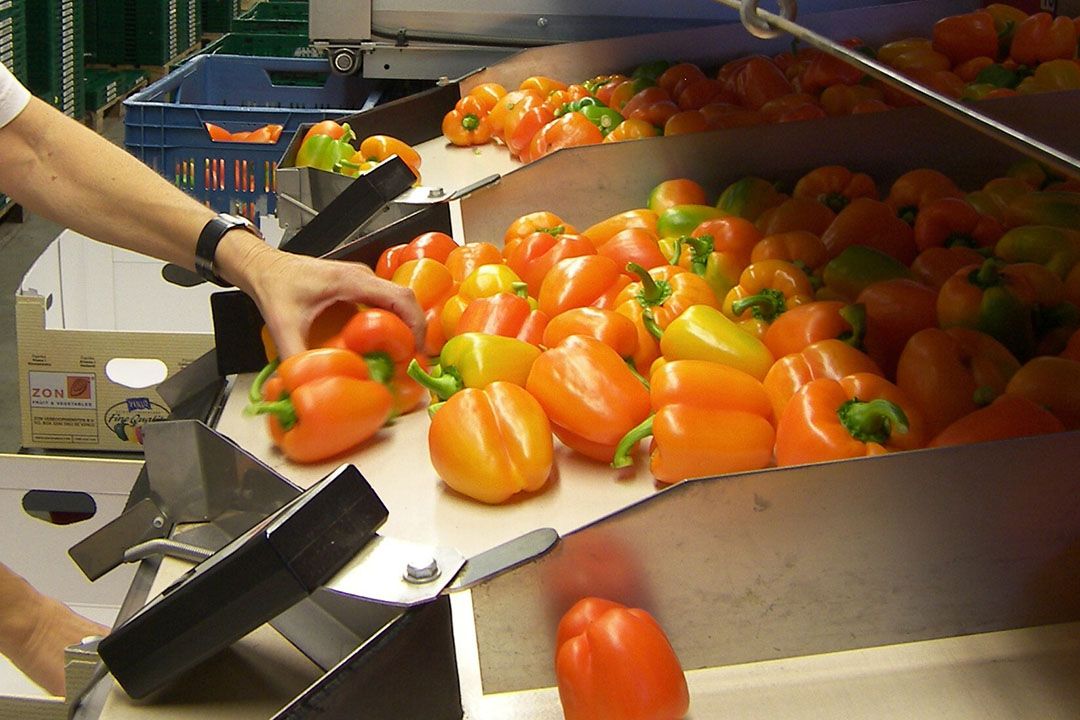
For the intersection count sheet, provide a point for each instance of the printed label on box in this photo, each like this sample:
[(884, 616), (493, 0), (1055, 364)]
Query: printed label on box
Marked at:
[(70, 430), (62, 391), (126, 418)]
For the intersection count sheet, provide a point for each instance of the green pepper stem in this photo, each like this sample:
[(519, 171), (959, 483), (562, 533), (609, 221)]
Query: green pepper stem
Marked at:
[(959, 239), (907, 213), (629, 440), (872, 421), (700, 249), (676, 251), (255, 392), (983, 395), (434, 408), (855, 316), (765, 305), (834, 201), (380, 367), (641, 378), (553, 231), (649, 321), (470, 122), (987, 276), (652, 292), (443, 386), (282, 409), (520, 289)]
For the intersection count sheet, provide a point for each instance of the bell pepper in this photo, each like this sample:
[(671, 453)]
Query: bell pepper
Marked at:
[(857, 267), (994, 299), (704, 333), (855, 416), (605, 118), (435, 245), (835, 186), (802, 249), (590, 395), (631, 129), (484, 281), (830, 358), (844, 99), (680, 220), (909, 54), (533, 256), (1053, 383), (634, 245), (609, 327), (1006, 19), (1050, 77), (466, 129), (520, 131), (606, 229), (934, 265), (822, 70), (749, 197), (947, 222), (895, 310), (677, 191), (474, 360), (602, 648), (491, 443), (719, 270), (950, 373), (708, 419), (318, 404), (465, 259), (1041, 37), (377, 148), (429, 280), (540, 221), (767, 289), (805, 324), (571, 130), (1046, 207), (588, 280), (659, 296), (1057, 248), (873, 224), (1009, 416), (915, 188), (754, 80), (965, 36), (324, 152), (578, 105), (542, 84), (515, 101), (506, 314), (387, 346), (795, 214), (998, 75)]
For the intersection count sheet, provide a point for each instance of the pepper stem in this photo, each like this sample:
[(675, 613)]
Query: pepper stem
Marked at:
[(652, 292), (633, 368), (765, 305), (443, 386), (380, 367), (255, 392), (520, 289), (835, 201), (959, 239), (629, 440), (983, 395), (872, 421), (470, 122), (649, 321), (987, 275), (700, 249), (283, 410), (676, 251), (855, 316)]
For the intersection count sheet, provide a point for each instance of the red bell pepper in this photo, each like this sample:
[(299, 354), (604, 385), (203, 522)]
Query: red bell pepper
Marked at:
[(505, 314), (533, 256), (589, 280), (435, 245), (387, 346)]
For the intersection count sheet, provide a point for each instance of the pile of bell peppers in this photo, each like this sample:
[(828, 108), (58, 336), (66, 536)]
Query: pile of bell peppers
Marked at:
[(991, 52), (328, 146)]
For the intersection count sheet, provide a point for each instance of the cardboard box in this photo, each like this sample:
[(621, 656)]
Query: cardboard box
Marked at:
[(97, 329)]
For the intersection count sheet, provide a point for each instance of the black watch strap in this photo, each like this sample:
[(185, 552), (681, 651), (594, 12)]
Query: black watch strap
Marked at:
[(211, 235)]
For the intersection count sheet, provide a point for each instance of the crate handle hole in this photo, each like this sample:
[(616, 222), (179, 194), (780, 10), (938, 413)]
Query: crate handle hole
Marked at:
[(136, 373), (59, 507)]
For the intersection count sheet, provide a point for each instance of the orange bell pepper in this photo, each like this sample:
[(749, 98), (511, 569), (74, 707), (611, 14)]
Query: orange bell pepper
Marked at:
[(658, 297), (754, 80), (377, 148), (492, 443), (542, 84), (588, 280), (1010, 416), (767, 289), (465, 259), (795, 214), (631, 129), (830, 358), (435, 245), (1053, 383), (835, 186), (708, 419), (857, 415), (798, 247), (484, 281), (947, 222), (822, 71), (589, 393), (895, 310), (489, 94), (519, 131), (805, 324), (966, 36), (319, 404), (466, 129), (506, 314), (1072, 347), (533, 256), (514, 102), (871, 223), (994, 298), (934, 265), (387, 346), (603, 648), (634, 245), (843, 99), (915, 188), (609, 327), (951, 373), (540, 221), (1041, 38), (606, 229), (572, 129), (429, 280)]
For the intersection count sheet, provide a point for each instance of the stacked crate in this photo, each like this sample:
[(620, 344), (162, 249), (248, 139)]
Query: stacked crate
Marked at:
[(55, 57), (274, 17), (13, 37), (217, 15), (151, 33)]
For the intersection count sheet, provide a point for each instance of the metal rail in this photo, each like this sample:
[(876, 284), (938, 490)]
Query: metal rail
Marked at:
[(762, 23)]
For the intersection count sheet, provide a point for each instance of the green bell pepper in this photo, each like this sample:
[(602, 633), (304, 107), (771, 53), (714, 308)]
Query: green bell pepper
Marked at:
[(325, 153), (858, 267), (605, 118), (1044, 207), (679, 220), (698, 255), (1055, 247), (748, 197)]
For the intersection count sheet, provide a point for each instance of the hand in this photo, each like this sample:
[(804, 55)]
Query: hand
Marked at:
[(291, 290)]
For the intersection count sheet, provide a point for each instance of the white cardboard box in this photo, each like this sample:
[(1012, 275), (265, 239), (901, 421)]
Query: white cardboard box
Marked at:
[(97, 329)]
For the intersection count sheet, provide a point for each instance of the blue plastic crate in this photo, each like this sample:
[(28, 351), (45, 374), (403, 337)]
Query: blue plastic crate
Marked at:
[(164, 125)]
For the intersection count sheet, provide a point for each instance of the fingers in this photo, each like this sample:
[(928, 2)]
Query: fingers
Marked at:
[(399, 300)]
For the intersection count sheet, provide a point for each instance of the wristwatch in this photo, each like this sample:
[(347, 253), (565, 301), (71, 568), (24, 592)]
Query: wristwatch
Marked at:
[(208, 241)]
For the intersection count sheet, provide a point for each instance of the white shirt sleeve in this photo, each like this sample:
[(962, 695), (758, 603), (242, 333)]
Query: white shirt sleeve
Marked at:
[(13, 96)]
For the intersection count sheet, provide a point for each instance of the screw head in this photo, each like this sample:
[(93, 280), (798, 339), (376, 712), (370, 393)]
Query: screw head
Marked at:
[(158, 522), (422, 570), (436, 192), (541, 22)]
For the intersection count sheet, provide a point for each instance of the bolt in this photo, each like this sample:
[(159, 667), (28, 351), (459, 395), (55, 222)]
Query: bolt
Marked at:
[(541, 22), (158, 522), (421, 570), (436, 192)]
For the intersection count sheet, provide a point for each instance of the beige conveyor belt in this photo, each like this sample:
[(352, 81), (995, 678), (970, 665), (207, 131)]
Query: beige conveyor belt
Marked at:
[(1030, 672)]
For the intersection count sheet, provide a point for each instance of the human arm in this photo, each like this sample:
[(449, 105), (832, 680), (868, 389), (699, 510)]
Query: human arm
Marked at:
[(60, 169)]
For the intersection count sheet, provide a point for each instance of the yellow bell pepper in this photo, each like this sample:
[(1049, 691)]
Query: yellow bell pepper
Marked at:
[(705, 333), (475, 360)]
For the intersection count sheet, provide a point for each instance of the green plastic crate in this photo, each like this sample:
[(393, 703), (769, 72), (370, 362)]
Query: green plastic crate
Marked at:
[(146, 32), (217, 15), (276, 17), (56, 57), (262, 45), (105, 86), (13, 37)]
